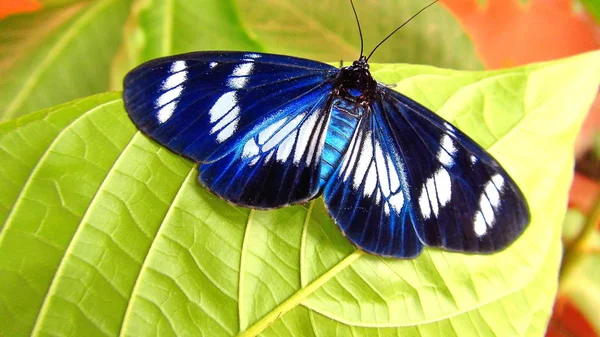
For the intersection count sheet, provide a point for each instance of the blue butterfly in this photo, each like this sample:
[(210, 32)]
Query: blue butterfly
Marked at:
[(272, 130)]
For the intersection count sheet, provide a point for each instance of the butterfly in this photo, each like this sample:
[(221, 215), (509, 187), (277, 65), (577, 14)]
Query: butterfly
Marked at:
[(272, 130)]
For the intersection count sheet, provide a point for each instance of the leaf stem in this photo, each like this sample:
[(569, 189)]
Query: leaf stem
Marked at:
[(575, 252), (299, 296)]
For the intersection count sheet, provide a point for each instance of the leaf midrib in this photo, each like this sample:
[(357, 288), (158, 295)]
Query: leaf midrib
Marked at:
[(297, 298)]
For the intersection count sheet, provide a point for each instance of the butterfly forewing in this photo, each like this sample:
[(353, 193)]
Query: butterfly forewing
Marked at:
[(256, 122), (461, 199), (202, 105)]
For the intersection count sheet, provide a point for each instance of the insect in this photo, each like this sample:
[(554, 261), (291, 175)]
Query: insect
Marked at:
[(272, 130)]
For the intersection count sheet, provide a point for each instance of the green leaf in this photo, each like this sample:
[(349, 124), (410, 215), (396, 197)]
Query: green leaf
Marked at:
[(327, 31), (323, 30), (158, 28), (593, 8), (56, 55), (57, 3), (109, 234)]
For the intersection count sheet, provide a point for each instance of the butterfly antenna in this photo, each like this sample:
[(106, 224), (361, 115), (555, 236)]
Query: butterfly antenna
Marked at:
[(397, 29), (359, 30)]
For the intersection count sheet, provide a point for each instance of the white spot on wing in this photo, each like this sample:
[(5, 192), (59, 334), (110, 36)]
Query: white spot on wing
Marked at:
[(436, 193), (349, 160), (370, 181), (313, 145), (447, 151), (173, 87), (178, 66), (166, 112), (268, 132), (365, 158), (397, 201), (424, 204), (228, 131), (394, 179), (479, 225), (282, 133), (239, 76), (285, 148), (224, 104), (489, 200), (226, 113), (174, 80), (498, 181), (226, 120), (444, 186), (382, 171), (168, 96), (250, 149), (303, 137)]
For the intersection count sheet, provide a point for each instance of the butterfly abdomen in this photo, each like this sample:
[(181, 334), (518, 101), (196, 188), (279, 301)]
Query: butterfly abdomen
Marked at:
[(342, 123)]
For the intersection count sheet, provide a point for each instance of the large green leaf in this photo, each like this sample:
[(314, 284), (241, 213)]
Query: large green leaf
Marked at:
[(56, 55), (106, 233), (324, 30)]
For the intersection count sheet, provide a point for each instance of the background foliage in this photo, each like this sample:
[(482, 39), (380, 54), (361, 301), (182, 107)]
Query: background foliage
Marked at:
[(104, 233)]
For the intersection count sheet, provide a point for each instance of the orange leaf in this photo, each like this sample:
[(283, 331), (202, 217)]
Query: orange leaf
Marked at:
[(18, 6), (508, 32), (583, 193), (567, 321)]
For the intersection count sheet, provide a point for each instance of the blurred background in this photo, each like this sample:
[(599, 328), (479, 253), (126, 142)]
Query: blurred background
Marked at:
[(91, 44)]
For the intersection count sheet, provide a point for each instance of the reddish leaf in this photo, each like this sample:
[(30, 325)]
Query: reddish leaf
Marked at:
[(508, 32), (18, 6), (567, 321), (583, 193)]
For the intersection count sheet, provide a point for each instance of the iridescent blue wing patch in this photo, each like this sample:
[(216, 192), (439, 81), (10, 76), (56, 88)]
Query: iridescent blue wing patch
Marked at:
[(278, 163), (366, 194), (248, 118), (461, 199)]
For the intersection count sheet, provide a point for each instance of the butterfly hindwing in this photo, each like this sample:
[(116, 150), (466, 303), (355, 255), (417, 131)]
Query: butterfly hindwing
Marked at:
[(366, 196), (202, 105), (278, 163), (461, 198)]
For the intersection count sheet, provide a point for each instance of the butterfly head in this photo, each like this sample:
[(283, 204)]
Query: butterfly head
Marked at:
[(355, 82)]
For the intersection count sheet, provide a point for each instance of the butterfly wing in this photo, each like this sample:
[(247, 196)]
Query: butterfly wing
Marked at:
[(461, 199), (201, 104), (366, 193), (254, 121), (410, 178)]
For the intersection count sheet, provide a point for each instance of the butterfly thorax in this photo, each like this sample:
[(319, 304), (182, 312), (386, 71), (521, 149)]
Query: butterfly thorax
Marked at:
[(356, 83)]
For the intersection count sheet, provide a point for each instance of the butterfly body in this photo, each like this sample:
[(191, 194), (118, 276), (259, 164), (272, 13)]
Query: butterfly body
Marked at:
[(271, 130)]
